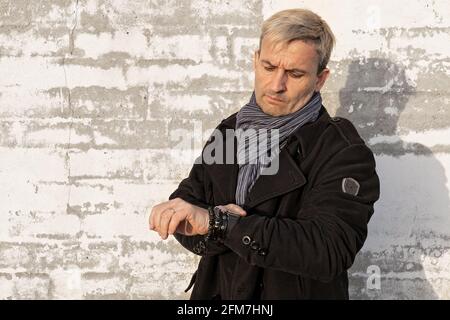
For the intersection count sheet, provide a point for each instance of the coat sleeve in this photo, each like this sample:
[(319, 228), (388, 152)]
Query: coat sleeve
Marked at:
[(192, 190), (323, 239)]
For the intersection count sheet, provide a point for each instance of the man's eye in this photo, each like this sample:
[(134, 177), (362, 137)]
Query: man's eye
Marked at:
[(269, 68), (296, 75)]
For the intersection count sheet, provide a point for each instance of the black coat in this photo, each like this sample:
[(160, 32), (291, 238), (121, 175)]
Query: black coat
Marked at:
[(304, 230)]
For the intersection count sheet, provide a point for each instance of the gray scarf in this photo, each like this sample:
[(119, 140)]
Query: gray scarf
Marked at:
[(269, 135)]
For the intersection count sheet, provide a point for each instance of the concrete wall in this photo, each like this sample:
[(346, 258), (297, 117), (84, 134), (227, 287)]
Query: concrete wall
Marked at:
[(95, 96)]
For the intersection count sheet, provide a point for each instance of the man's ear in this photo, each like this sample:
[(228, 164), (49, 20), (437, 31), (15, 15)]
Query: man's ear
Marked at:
[(321, 78)]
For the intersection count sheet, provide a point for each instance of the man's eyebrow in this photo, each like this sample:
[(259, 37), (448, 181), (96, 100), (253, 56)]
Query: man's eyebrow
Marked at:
[(293, 70)]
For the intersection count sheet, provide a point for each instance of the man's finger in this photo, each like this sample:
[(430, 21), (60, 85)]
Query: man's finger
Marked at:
[(151, 218), (175, 221), (166, 216), (155, 214)]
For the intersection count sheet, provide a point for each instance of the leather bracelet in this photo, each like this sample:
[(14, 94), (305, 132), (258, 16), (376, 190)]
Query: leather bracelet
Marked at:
[(218, 223)]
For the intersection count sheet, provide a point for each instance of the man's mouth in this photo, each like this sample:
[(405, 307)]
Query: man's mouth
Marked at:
[(273, 99)]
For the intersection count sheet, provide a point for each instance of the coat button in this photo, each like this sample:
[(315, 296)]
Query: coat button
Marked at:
[(335, 119), (262, 252), (254, 245), (246, 240)]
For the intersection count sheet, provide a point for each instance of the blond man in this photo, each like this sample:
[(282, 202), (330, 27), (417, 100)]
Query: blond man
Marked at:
[(286, 233)]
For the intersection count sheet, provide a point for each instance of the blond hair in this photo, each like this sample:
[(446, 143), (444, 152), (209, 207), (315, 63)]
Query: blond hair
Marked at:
[(300, 24)]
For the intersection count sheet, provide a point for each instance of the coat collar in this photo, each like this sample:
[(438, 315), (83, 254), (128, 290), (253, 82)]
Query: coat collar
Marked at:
[(289, 175)]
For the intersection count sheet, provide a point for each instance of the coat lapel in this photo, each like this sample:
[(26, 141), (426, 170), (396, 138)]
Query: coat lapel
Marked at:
[(288, 178)]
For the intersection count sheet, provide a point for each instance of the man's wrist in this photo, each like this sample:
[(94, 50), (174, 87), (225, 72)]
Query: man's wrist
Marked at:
[(220, 223)]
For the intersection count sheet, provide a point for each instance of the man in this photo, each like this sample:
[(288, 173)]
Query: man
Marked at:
[(294, 233)]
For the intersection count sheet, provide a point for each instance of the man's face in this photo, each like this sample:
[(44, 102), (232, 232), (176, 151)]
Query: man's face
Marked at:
[(286, 76)]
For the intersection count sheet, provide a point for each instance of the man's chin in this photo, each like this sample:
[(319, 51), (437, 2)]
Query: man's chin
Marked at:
[(272, 112)]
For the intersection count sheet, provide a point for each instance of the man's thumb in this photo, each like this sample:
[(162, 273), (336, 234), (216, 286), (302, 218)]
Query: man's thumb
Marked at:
[(234, 208)]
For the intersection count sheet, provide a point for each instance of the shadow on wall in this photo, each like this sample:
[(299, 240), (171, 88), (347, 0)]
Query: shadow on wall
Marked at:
[(408, 229)]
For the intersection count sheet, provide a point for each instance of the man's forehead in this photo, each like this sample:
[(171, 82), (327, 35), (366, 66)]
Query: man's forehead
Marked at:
[(295, 55)]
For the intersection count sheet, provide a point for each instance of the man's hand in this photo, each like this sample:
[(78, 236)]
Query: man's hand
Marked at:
[(179, 216)]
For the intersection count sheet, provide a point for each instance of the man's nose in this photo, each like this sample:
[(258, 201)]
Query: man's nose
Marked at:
[(279, 81)]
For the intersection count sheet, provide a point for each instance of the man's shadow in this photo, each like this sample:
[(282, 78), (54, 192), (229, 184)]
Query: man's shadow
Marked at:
[(409, 226)]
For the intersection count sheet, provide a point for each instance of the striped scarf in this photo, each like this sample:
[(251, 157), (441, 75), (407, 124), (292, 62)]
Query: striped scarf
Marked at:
[(269, 135)]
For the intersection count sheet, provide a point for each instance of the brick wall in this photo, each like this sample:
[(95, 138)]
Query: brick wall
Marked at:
[(95, 96)]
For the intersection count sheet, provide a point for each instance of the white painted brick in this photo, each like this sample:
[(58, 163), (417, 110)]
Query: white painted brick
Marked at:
[(39, 73), (51, 132), (55, 136), (42, 224), (98, 256), (103, 285), (151, 266), (45, 73), (176, 73), (122, 13), (14, 256), (369, 14), (145, 164), (30, 286), (32, 196), (220, 46), (145, 289), (175, 102), (145, 259), (192, 47), (4, 225), (128, 210), (52, 105), (66, 283), (358, 43), (88, 196), (15, 103), (169, 286), (132, 41), (217, 8), (29, 44), (113, 226), (52, 15), (432, 45), (32, 164), (436, 263), (130, 218), (6, 287), (244, 48), (146, 195)]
